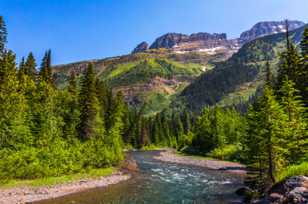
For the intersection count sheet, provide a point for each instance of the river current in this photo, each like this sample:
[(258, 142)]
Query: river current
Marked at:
[(162, 183)]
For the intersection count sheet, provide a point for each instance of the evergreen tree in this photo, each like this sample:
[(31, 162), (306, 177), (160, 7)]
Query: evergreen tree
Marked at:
[(30, 66), (303, 78), (298, 136), (290, 64), (45, 70), (91, 122), (70, 109), (273, 131), (269, 76), (21, 68), (14, 127), (304, 43), (3, 36)]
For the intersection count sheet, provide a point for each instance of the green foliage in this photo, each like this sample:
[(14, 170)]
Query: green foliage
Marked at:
[(227, 152), (276, 135), (91, 120), (53, 180), (293, 170), (229, 79), (45, 70), (45, 131), (216, 128), (143, 70)]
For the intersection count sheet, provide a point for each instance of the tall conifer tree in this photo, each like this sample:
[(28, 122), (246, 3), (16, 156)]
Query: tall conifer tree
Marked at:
[(91, 122), (3, 36)]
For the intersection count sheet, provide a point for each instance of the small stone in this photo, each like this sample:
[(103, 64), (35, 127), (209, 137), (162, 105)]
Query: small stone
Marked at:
[(275, 197)]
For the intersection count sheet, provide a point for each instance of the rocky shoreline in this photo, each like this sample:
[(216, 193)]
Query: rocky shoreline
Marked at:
[(230, 167), (21, 195)]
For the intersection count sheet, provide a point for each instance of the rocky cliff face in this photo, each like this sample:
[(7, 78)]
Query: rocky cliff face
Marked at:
[(168, 40), (141, 47), (216, 42), (266, 28), (195, 41)]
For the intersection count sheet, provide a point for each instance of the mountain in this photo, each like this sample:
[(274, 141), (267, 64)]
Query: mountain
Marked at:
[(267, 28), (141, 47), (151, 78), (156, 75), (216, 42), (238, 78), (197, 42)]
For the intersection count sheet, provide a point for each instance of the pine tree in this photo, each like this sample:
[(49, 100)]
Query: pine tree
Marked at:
[(3, 36), (303, 78), (290, 64), (304, 43), (269, 76), (45, 70), (70, 109), (14, 127), (30, 66), (91, 122), (252, 139), (298, 136), (21, 68), (273, 131)]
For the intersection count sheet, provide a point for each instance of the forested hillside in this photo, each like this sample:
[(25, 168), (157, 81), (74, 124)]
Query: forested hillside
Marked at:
[(151, 78), (237, 79)]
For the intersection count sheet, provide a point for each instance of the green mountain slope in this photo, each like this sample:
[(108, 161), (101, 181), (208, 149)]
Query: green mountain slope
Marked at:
[(152, 78), (236, 79)]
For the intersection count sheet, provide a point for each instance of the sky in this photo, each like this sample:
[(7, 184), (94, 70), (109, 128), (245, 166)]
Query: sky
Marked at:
[(78, 30)]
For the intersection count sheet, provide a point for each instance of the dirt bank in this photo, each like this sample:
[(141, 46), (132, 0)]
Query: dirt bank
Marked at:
[(230, 167), (22, 195)]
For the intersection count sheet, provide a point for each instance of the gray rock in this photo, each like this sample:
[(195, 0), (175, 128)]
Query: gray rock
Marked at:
[(268, 27), (141, 47)]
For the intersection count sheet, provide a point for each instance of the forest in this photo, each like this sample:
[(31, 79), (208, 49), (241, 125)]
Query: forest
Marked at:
[(50, 131)]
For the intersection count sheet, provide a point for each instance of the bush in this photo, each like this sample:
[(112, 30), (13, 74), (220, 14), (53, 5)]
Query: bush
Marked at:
[(293, 170), (227, 152)]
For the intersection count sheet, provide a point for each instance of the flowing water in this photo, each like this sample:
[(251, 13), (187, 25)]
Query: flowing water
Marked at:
[(162, 183)]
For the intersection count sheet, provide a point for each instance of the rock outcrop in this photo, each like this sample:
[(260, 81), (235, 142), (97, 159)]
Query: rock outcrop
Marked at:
[(267, 28), (293, 190), (168, 40), (216, 42), (201, 42), (141, 47)]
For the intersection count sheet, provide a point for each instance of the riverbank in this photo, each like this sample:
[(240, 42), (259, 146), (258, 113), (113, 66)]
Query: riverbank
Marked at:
[(230, 167), (26, 194)]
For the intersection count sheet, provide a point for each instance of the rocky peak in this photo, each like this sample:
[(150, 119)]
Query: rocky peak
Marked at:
[(267, 28), (168, 40), (141, 47), (208, 36), (196, 41)]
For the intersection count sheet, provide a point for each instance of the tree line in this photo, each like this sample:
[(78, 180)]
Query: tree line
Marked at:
[(48, 131), (270, 137)]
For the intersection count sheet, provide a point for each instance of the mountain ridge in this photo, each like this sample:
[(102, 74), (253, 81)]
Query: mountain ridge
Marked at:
[(202, 41), (158, 76)]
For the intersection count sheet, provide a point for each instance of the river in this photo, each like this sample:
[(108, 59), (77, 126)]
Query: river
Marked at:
[(162, 183)]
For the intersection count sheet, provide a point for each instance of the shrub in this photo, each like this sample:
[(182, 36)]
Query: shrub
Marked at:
[(227, 152), (293, 170)]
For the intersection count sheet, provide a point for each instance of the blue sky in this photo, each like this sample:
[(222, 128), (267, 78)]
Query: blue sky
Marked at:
[(89, 29)]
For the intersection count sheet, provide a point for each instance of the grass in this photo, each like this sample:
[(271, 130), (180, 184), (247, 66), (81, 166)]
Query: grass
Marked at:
[(227, 152), (121, 69), (151, 147), (48, 181), (293, 170)]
